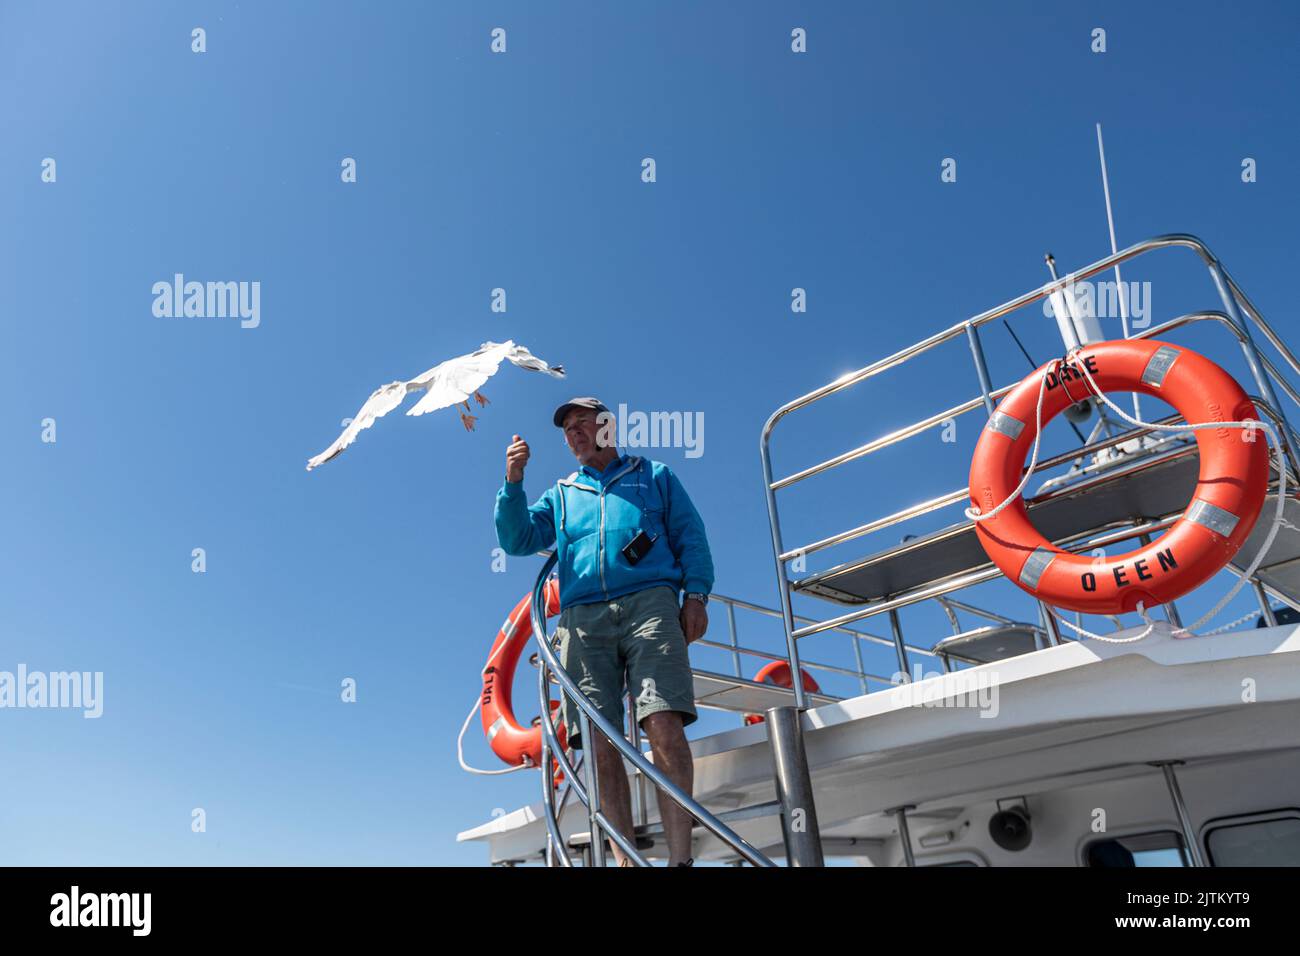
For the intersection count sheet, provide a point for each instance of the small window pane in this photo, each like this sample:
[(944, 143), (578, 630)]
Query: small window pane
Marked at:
[(1162, 848), (1263, 843), (1169, 857)]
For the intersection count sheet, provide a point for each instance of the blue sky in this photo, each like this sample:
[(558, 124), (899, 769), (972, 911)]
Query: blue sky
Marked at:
[(520, 171)]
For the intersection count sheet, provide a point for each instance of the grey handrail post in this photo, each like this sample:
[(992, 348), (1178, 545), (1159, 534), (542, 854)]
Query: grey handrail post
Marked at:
[(899, 646), (783, 581), (904, 834), (862, 667), (554, 838), (1050, 625), (1265, 608), (593, 792), (731, 633), (981, 367), (640, 802), (1184, 820), (799, 830)]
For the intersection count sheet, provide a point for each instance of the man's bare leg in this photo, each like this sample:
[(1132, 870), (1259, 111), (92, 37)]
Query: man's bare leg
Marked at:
[(615, 795), (673, 757)]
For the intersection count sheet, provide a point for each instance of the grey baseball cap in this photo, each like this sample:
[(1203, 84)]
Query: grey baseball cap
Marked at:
[(586, 401)]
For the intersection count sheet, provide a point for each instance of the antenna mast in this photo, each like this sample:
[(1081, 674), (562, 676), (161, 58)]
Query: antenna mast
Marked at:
[(1120, 291)]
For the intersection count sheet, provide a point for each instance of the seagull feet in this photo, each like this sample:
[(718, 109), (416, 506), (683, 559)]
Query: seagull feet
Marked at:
[(468, 421), (481, 399)]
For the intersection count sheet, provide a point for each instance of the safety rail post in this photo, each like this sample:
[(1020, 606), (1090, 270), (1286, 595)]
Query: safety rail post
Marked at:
[(1265, 607), (905, 834), (554, 839), (1049, 624), (861, 665), (639, 801), (731, 634), (899, 646), (799, 830), (1180, 808), (593, 795), (783, 580), (981, 366)]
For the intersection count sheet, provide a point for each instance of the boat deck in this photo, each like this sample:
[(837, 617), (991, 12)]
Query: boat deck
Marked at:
[(1069, 715)]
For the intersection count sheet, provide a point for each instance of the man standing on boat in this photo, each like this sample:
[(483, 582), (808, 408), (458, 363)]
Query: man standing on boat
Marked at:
[(628, 540)]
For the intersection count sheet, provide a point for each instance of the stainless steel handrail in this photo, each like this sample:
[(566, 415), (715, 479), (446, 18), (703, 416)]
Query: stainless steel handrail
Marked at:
[(1137, 465), (772, 612), (971, 578), (597, 722), (942, 501), (1124, 531), (1234, 301), (769, 656)]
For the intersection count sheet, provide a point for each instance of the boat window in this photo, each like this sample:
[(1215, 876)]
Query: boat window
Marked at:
[(1271, 839), (1161, 848)]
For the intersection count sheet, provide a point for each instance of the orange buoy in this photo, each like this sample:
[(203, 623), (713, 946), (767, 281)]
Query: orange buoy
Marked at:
[(778, 673), (1230, 488), (511, 742)]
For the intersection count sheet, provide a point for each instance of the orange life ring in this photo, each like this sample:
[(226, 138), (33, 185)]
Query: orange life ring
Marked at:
[(1230, 489), (778, 673), (511, 742)]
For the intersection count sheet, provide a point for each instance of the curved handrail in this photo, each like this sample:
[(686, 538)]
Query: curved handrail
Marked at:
[(549, 662)]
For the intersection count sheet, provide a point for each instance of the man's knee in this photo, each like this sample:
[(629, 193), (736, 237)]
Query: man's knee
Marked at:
[(664, 728), (608, 759)]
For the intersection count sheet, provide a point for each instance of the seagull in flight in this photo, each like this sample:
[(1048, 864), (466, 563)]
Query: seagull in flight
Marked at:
[(448, 383)]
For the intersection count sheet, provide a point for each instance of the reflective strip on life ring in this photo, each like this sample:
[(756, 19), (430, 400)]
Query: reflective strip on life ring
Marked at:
[(509, 741), (1230, 489)]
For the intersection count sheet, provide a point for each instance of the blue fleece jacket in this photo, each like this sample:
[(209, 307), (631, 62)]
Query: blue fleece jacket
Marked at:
[(591, 515)]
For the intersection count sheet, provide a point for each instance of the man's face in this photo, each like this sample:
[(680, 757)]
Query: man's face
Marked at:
[(583, 431)]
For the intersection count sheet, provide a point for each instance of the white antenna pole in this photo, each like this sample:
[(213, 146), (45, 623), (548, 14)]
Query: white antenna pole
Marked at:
[(1120, 291)]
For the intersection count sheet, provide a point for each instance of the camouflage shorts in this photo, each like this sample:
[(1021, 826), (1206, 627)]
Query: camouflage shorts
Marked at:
[(634, 641)]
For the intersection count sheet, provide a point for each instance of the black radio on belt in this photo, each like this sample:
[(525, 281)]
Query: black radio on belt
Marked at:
[(637, 548)]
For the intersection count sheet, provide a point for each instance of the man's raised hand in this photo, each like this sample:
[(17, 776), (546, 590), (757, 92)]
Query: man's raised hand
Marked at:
[(516, 458)]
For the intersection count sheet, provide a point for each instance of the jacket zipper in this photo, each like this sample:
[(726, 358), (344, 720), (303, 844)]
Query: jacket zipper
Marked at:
[(600, 557), (601, 549)]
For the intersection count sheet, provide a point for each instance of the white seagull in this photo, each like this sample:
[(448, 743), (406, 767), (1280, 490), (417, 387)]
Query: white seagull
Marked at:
[(448, 383)]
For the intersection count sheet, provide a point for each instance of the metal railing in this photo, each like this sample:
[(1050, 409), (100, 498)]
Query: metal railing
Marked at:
[(588, 793), (1235, 302), (856, 638)]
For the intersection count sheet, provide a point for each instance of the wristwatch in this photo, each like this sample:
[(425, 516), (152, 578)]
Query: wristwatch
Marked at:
[(698, 596)]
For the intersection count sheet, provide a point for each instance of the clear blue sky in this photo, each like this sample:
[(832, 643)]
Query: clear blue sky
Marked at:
[(519, 171)]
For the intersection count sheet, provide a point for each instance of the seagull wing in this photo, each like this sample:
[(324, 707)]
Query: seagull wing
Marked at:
[(381, 401), (455, 380), (520, 356)]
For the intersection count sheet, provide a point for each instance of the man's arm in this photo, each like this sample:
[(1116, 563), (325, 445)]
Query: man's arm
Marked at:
[(520, 529), (686, 538)]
